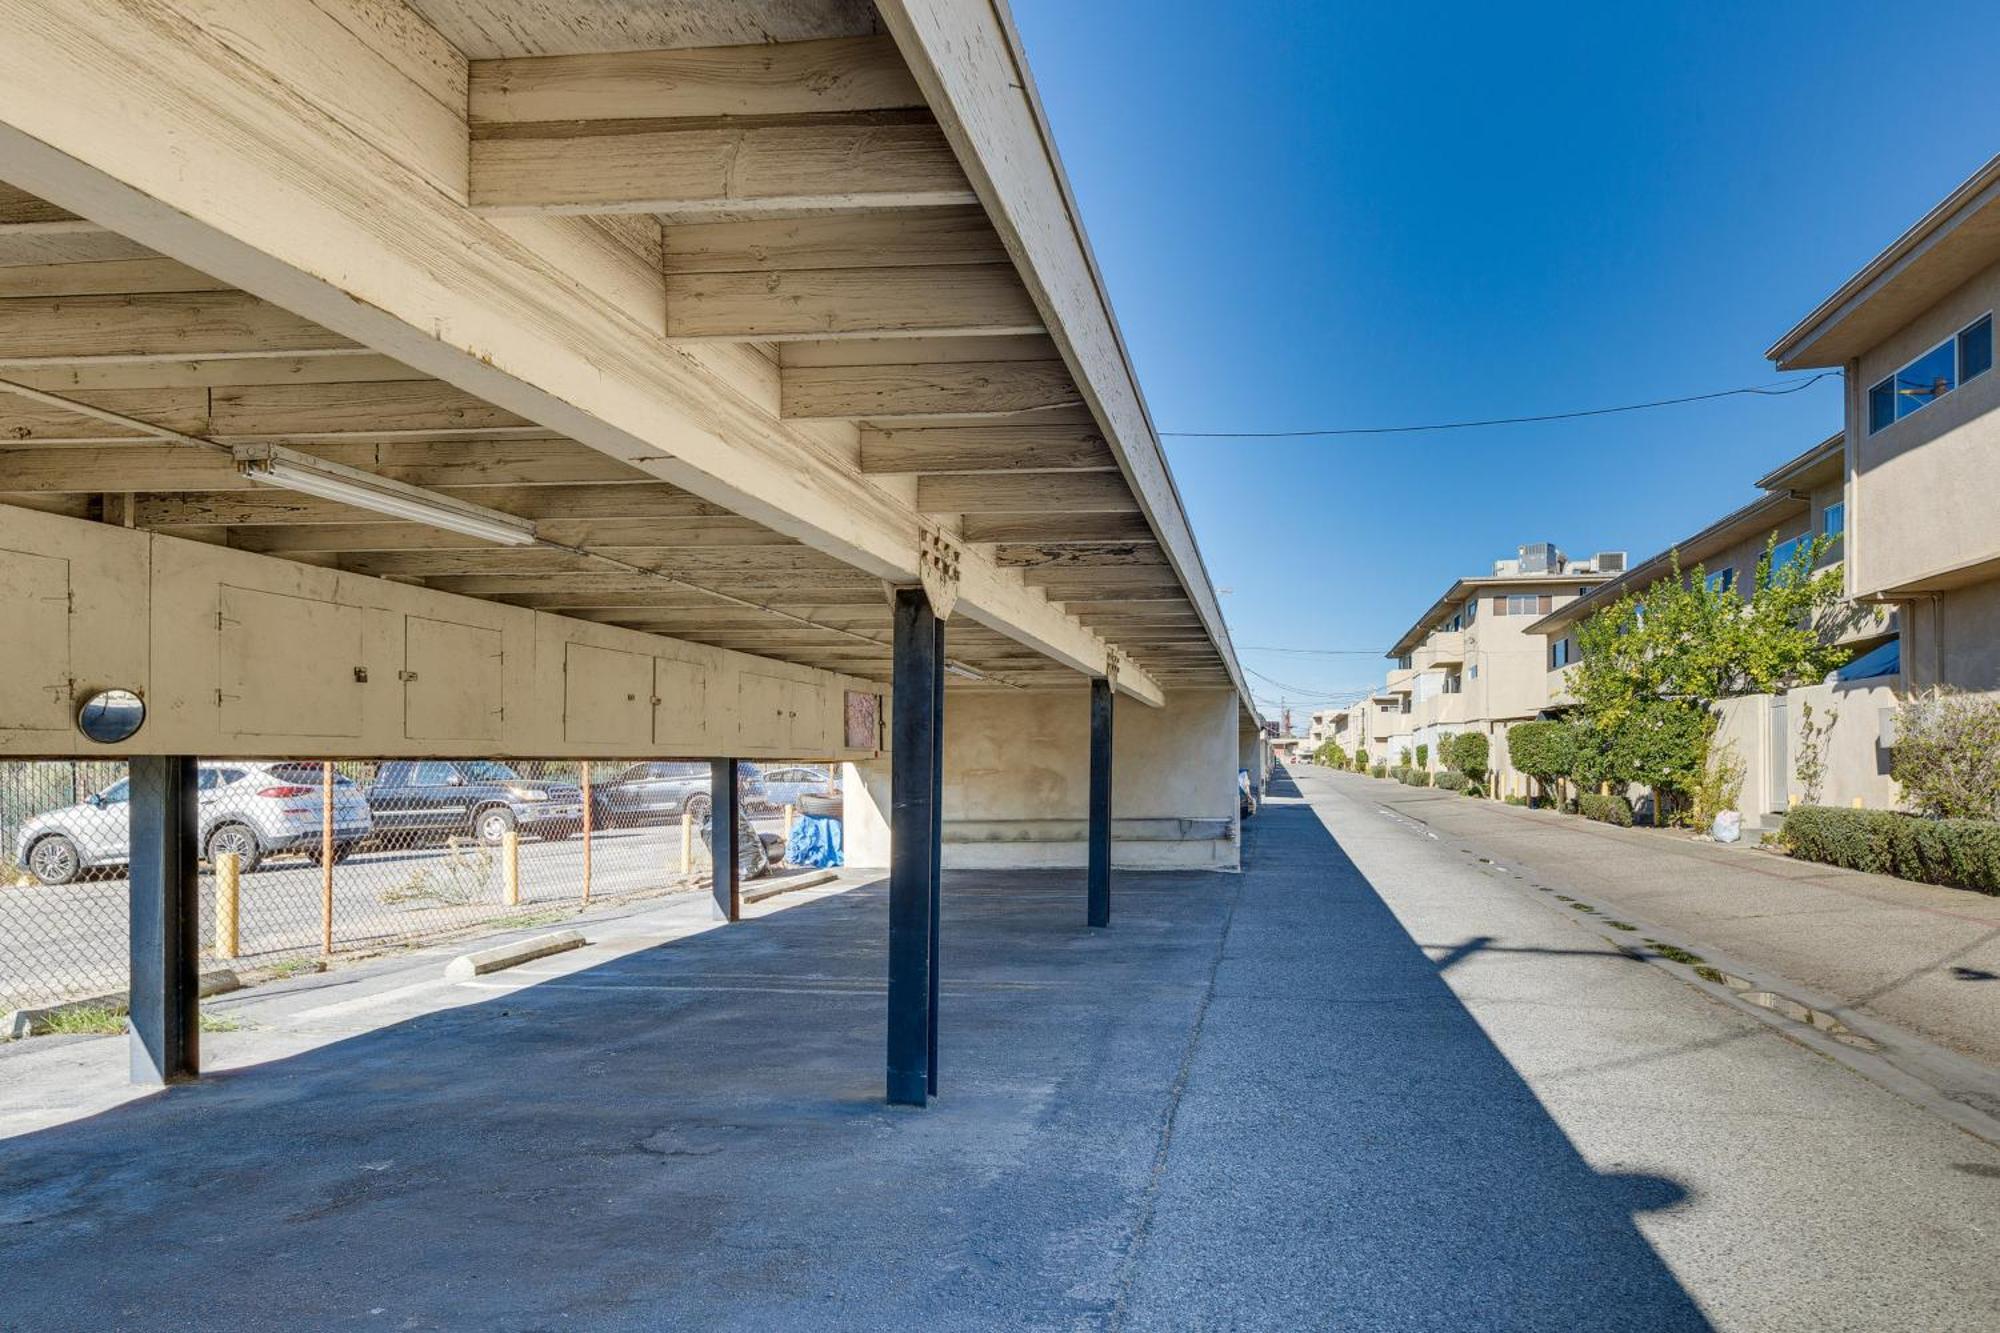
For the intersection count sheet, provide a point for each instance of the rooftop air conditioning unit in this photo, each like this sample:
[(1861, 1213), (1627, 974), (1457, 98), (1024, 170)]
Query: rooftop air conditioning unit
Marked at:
[(1541, 558), (1502, 568), (1610, 562)]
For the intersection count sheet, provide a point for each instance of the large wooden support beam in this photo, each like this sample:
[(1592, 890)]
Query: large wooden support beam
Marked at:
[(165, 930), (915, 724), (1098, 890), (374, 245), (1067, 492), (938, 299), (940, 389), (725, 857), (1029, 527)]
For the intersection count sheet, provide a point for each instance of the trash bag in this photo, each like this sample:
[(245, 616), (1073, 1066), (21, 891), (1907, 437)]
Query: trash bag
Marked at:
[(1728, 826), (751, 860), (815, 842)]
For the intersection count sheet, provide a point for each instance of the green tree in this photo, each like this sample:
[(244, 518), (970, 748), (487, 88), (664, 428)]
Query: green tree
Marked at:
[(1652, 666), (1545, 751), (1424, 755), (1467, 753)]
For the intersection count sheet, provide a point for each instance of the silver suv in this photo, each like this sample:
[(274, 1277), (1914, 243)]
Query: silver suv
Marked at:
[(250, 807)]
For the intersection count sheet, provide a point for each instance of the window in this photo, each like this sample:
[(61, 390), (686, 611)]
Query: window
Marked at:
[(1475, 671), (1561, 653), (1722, 580), (1453, 684), (1471, 610), (1403, 662), (117, 793), (1522, 603), (1833, 518), (432, 773), (1932, 375)]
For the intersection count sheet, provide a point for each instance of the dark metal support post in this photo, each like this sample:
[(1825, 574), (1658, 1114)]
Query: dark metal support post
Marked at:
[(165, 1002), (725, 857), (1099, 911), (912, 838), (937, 841)]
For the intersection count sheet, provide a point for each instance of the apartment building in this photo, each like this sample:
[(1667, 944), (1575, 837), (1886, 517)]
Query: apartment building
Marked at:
[(1471, 662), (1800, 498), (1920, 451)]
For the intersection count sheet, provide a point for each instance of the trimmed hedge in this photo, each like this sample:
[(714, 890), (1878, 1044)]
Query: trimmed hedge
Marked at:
[(1605, 809), (1961, 853), (1415, 777), (1379, 771), (1453, 781)]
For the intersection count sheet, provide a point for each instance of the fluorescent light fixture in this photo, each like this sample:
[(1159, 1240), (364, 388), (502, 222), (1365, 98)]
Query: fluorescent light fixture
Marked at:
[(952, 668), (272, 465)]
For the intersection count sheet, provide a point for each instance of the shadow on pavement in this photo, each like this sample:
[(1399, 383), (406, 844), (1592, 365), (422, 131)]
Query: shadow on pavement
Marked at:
[(1252, 1102)]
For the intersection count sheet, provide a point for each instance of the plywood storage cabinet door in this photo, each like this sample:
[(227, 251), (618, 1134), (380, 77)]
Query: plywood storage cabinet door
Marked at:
[(454, 682), (34, 642), (287, 665), (607, 695), (680, 707), (763, 711)]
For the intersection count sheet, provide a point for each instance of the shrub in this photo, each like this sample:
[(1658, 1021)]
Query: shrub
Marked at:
[(1452, 781), (1399, 771), (1379, 771), (1544, 751), (1963, 853), (1517, 800), (1605, 809), (1467, 752), (1361, 761), (1948, 754), (1424, 756), (1415, 777)]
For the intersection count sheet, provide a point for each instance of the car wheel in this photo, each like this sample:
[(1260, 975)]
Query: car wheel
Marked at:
[(697, 806), (341, 851), (493, 825), (237, 838), (55, 860)]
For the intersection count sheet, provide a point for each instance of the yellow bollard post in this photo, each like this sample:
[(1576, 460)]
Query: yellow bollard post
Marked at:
[(510, 868), (791, 814), (1792, 800), (1857, 803), (326, 857), (586, 833), (687, 843), (228, 899)]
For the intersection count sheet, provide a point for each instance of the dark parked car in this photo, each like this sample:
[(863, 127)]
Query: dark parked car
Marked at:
[(657, 792), (413, 798)]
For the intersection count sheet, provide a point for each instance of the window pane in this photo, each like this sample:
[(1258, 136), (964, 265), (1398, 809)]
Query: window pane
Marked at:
[(1881, 405), (1833, 519), (1975, 350), (1925, 380)]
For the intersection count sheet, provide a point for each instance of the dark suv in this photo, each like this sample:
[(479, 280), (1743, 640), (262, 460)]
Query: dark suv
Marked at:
[(440, 797)]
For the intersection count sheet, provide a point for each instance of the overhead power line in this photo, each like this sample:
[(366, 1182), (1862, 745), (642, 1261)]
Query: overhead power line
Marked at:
[(1311, 652), (1757, 391)]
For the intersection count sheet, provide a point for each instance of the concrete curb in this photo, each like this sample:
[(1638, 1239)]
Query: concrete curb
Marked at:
[(19, 1023), (813, 880), (469, 965)]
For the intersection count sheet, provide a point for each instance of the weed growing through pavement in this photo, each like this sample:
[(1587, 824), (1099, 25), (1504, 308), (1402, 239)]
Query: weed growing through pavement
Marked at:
[(1673, 953), (84, 1020)]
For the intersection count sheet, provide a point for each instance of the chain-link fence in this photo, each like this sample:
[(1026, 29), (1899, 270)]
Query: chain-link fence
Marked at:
[(306, 858)]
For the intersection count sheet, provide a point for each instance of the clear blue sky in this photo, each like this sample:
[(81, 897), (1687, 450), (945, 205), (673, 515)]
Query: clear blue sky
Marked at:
[(1334, 214)]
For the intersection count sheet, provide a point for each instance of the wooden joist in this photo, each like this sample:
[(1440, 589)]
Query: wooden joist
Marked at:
[(395, 410), (157, 327), (174, 467), (954, 299), (1033, 555), (934, 390), (671, 535), (264, 506), (1047, 528), (763, 79), (907, 238), (985, 448), (107, 277), (716, 171), (1048, 492)]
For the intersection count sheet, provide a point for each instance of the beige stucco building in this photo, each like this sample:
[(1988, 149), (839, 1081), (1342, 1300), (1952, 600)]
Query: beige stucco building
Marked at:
[(1913, 332), (1471, 661)]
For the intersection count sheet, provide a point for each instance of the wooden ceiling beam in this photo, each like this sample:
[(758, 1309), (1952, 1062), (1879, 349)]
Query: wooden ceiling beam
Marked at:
[(939, 389), (701, 170), (985, 448), (1055, 528), (1095, 554), (174, 467), (267, 505), (1012, 492), (896, 239), (165, 326), (650, 535), (107, 277), (817, 304), (765, 79)]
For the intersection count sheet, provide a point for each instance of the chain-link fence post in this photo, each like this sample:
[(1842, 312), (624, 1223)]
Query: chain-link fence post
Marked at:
[(326, 857), (586, 833)]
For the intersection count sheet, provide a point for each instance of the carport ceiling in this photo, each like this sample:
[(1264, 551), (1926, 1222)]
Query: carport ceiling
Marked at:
[(767, 181)]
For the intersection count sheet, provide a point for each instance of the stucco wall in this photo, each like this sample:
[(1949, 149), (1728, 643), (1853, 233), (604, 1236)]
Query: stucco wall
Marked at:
[(1924, 490), (1857, 767), (1954, 638)]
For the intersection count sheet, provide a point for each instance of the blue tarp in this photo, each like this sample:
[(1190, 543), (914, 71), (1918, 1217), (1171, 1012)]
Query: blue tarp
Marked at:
[(815, 842)]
